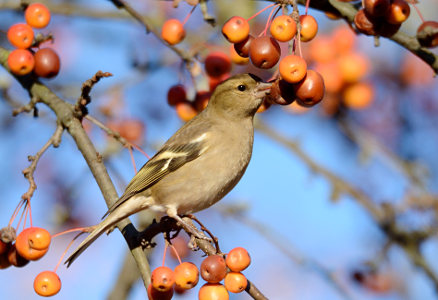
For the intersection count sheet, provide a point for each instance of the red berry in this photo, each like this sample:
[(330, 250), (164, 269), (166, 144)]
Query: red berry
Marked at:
[(47, 63)]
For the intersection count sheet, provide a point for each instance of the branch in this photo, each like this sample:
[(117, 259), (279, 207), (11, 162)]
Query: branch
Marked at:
[(66, 117)]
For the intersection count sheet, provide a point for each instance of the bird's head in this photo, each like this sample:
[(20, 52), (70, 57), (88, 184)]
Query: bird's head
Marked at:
[(239, 96)]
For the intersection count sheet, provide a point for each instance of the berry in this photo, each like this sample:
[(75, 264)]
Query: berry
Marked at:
[(425, 35), (47, 284), (186, 275), (213, 291), (201, 100), (283, 28), (238, 259), (162, 278), (309, 28), (217, 64), (293, 68), (213, 269), (365, 24), (15, 258), (310, 90), (4, 247), (242, 48), (265, 106), (47, 63), (4, 261), (20, 35), (21, 61), (154, 294), (344, 39), (353, 67), (176, 94), (236, 29), (264, 52), (398, 12), (173, 31), (236, 58), (37, 15), (376, 8), (235, 282), (282, 92), (185, 111), (33, 243), (359, 95)]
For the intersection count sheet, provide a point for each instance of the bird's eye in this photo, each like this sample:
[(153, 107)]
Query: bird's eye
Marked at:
[(241, 87)]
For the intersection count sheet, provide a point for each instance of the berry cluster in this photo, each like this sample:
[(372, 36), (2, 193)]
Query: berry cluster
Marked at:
[(44, 62), (30, 245), (185, 276)]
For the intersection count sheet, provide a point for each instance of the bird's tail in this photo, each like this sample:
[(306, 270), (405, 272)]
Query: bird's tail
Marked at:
[(129, 207)]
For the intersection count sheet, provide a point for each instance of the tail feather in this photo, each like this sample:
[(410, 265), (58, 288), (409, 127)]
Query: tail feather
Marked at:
[(129, 207)]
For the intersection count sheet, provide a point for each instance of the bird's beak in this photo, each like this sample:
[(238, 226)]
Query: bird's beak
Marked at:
[(263, 89)]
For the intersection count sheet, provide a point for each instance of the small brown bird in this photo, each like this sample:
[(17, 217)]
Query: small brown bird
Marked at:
[(199, 164)]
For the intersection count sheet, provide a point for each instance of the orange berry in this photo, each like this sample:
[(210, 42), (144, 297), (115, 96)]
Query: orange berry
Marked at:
[(235, 282), (264, 107), (176, 94), (217, 64), (331, 74), (238, 259), (358, 95), (283, 28), (332, 16), (154, 294), (236, 29), (236, 58), (353, 67), (33, 243), (185, 111), (344, 39), (132, 130), (37, 15), (38, 238), (21, 61), (162, 278), (47, 284), (293, 68), (213, 268), (309, 28), (322, 49), (201, 100), (186, 275), (173, 31), (20, 35), (398, 12), (213, 291)]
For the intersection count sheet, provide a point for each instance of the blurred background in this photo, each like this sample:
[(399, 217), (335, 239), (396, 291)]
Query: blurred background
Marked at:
[(304, 208)]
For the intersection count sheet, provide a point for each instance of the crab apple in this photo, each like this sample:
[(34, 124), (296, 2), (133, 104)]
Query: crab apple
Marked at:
[(236, 29), (213, 268), (130, 129), (176, 94), (310, 90), (186, 111), (427, 34), (264, 52), (4, 261), (162, 278), (20, 35), (217, 64), (4, 247), (333, 80), (236, 58), (322, 49), (398, 12), (173, 31), (353, 67), (283, 28), (238, 259), (266, 104), (47, 284), (282, 92), (15, 258), (242, 48), (309, 28), (186, 275), (47, 63), (37, 15), (154, 294), (358, 95), (377, 8), (201, 100), (344, 39), (213, 291), (364, 23), (21, 61), (33, 243), (293, 68), (387, 29), (235, 282), (296, 108)]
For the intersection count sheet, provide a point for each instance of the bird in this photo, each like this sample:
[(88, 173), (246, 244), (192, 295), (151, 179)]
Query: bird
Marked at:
[(199, 164)]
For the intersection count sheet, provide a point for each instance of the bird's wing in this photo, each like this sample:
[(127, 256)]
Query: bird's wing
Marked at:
[(174, 154)]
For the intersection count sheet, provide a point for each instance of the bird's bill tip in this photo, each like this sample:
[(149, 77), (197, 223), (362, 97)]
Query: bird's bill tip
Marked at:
[(263, 86)]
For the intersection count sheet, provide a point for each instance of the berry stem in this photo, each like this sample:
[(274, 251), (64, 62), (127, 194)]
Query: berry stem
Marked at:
[(132, 159), (140, 150), (15, 213), (30, 212), (164, 253), (188, 15), (417, 10), (65, 251), (260, 11), (263, 33), (307, 6), (176, 253), (21, 217), (82, 229)]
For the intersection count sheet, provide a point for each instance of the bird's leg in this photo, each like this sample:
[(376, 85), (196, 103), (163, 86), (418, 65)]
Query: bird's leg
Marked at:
[(188, 226)]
